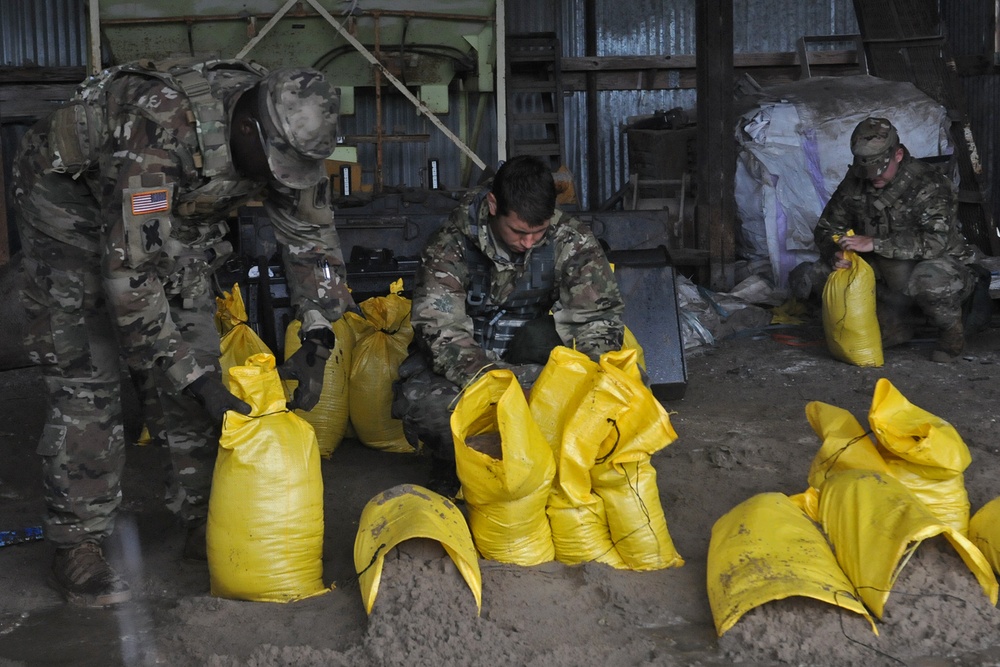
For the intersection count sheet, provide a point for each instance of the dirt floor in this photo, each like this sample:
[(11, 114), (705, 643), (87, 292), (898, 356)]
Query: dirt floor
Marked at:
[(742, 431)]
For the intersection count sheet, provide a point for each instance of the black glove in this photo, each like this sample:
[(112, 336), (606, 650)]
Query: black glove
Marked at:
[(215, 398), (307, 366)]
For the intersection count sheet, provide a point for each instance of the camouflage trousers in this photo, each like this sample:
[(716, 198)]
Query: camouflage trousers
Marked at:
[(424, 401), (71, 335), (936, 286)]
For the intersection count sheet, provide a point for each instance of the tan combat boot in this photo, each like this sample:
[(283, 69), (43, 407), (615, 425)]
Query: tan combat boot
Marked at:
[(82, 575), (951, 342)]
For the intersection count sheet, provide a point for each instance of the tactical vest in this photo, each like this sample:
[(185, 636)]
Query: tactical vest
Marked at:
[(494, 324), (79, 129)]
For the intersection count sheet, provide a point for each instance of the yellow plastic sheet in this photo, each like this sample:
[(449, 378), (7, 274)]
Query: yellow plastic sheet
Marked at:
[(405, 512), (381, 339), (924, 452), (849, 319), (238, 341), (577, 516), (766, 549), (332, 413), (265, 514), (984, 532), (874, 523), (506, 496)]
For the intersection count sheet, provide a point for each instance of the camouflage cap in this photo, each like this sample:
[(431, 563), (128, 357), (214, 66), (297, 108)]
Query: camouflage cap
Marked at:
[(298, 110), (873, 143)]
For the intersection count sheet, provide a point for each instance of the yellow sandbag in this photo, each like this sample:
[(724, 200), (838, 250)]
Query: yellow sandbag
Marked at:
[(635, 515), (405, 512), (766, 549), (849, 319), (623, 475), (924, 452), (330, 416), (580, 532), (238, 341), (506, 496), (846, 446), (875, 523), (381, 339), (984, 532), (265, 514)]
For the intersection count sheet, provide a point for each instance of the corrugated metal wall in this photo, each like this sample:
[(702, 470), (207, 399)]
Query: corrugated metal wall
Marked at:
[(46, 33), (657, 27)]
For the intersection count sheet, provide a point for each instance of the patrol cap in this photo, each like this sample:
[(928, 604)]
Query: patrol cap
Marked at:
[(873, 143), (298, 111)]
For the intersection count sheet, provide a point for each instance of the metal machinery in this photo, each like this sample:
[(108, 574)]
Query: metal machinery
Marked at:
[(441, 58)]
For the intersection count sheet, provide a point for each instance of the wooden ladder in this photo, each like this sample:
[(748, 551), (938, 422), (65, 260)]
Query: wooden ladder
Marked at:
[(534, 97)]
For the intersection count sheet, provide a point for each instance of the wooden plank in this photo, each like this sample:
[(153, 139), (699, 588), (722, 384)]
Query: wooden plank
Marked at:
[(24, 102), (73, 75), (684, 61)]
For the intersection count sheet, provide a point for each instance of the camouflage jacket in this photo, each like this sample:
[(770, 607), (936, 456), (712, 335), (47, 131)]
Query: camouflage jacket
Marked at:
[(913, 217), (585, 300), (165, 195)]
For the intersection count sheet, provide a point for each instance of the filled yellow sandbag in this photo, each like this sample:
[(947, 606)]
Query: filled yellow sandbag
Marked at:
[(984, 532), (924, 452), (849, 319), (846, 446), (405, 512), (381, 338), (623, 475), (875, 523), (577, 516), (265, 514), (766, 549), (506, 469), (238, 341), (332, 413)]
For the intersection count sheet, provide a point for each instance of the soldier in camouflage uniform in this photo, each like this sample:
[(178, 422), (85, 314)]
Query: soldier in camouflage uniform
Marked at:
[(487, 282), (904, 216), (123, 197)]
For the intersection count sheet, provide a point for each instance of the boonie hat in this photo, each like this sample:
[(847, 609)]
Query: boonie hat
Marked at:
[(873, 143), (298, 110)]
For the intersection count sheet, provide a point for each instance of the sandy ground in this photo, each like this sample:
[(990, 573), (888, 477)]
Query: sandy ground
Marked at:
[(742, 431)]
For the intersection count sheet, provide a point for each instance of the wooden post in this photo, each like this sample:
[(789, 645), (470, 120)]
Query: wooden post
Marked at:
[(715, 211), (4, 227)]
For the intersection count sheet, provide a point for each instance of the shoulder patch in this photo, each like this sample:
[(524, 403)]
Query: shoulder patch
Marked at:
[(150, 201)]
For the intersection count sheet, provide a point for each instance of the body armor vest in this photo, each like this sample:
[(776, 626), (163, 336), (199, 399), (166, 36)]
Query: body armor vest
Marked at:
[(494, 324)]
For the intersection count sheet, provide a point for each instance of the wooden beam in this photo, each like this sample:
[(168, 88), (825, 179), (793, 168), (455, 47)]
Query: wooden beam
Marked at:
[(73, 75), (29, 102), (715, 209)]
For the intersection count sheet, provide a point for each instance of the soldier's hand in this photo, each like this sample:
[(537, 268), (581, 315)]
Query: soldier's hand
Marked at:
[(215, 398), (308, 366), (839, 261), (857, 243)]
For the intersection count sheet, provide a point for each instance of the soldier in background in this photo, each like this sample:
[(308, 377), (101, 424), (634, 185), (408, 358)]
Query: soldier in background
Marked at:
[(487, 283), (904, 215), (122, 200)]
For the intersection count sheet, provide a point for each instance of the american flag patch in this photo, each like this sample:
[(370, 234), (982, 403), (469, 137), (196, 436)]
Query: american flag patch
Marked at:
[(152, 201)]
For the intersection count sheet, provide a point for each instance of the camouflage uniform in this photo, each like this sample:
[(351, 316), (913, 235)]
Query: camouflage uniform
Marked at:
[(123, 197), (583, 296), (919, 253)]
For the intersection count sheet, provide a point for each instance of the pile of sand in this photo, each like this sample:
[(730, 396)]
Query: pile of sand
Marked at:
[(936, 608)]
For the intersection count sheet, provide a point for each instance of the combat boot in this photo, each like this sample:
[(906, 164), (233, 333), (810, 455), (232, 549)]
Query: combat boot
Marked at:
[(82, 575), (196, 544), (951, 342)]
